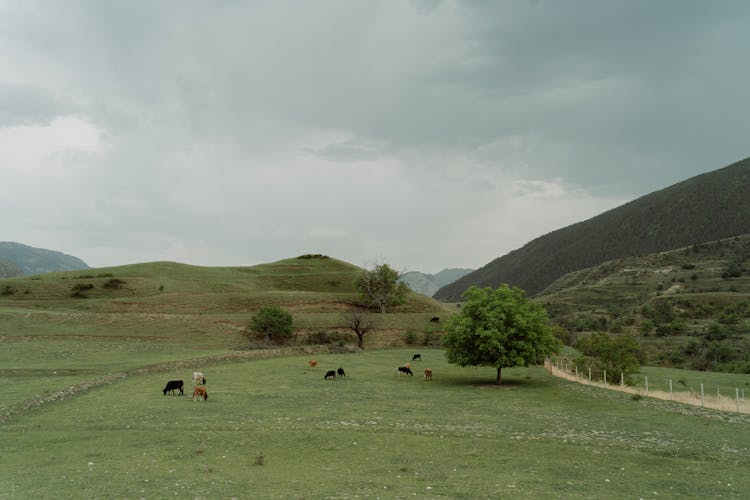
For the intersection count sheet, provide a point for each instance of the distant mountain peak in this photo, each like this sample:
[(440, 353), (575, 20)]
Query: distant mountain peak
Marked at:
[(30, 260), (428, 284)]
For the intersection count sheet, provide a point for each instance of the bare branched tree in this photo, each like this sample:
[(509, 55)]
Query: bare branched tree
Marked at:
[(360, 321)]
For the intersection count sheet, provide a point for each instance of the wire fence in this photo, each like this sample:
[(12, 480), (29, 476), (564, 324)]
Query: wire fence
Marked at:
[(727, 399)]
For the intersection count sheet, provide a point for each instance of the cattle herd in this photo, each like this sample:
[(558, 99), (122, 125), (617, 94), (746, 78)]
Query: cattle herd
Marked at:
[(199, 379)]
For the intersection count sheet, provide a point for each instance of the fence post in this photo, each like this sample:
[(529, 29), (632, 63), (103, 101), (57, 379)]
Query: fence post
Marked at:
[(576, 372), (670, 389), (737, 398), (589, 376), (718, 392), (605, 377), (622, 379), (701, 395), (646, 385)]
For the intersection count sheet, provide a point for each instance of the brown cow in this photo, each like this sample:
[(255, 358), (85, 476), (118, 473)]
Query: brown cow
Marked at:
[(200, 392), (312, 363), (428, 373)]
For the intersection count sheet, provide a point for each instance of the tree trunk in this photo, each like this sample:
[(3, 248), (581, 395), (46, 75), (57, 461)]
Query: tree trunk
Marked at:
[(361, 341), (499, 376)]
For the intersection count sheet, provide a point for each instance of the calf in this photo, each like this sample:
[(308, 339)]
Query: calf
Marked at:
[(200, 392), (330, 374), (428, 373), (403, 369), (341, 373), (174, 385), (312, 363), (199, 378), (416, 357)]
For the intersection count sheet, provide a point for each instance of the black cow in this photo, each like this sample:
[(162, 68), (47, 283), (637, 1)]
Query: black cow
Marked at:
[(172, 386), (435, 319), (404, 369), (330, 374), (341, 373), (416, 357)]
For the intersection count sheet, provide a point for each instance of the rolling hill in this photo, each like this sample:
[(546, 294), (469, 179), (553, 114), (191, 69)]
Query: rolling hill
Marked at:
[(703, 208), (29, 260)]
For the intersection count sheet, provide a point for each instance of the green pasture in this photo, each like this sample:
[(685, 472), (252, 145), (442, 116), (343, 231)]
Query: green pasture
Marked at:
[(276, 429)]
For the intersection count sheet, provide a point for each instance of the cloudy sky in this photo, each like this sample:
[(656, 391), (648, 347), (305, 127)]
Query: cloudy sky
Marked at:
[(426, 134)]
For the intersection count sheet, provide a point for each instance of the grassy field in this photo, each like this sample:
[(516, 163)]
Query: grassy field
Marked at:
[(83, 415), (275, 429)]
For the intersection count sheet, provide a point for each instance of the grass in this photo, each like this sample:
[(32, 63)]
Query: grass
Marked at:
[(274, 428), (372, 433)]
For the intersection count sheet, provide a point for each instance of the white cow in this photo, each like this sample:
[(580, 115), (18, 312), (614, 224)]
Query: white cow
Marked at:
[(199, 378)]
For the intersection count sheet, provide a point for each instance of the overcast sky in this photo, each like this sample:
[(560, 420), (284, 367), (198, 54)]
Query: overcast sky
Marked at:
[(425, 134)]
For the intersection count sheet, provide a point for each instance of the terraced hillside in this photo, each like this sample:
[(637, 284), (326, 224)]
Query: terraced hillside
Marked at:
[(690, 307)]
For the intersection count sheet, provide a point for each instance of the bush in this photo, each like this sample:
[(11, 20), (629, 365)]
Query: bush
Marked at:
[(272, 322), (410, 338), (113, 284)]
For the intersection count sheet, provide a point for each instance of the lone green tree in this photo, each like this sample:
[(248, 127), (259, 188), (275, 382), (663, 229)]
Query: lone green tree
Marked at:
[(501, 328), (380, 287), (272, 322)]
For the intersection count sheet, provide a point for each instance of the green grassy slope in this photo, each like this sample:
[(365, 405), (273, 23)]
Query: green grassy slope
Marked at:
[(707, 207)]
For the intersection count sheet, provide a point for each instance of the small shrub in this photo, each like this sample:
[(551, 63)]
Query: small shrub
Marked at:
[(8, 290), (273, 322), (113, 284), (259, 460), (637, 397), (410, 338)]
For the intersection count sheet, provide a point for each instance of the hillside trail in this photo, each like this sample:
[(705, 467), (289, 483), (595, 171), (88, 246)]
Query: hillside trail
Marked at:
[(723, 403), (191, 363)]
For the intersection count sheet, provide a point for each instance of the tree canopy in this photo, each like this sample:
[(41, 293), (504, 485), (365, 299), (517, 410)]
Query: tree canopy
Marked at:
[(272, 321), (501, 328), (380, 287)]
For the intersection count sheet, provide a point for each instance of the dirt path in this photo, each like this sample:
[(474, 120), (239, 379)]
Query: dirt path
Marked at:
[(729, 404)]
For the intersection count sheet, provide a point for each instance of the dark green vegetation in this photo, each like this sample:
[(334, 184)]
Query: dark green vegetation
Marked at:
[(688, 308), (276, 429), (17, 260), (273, 323), (704, 208), (499, 328)]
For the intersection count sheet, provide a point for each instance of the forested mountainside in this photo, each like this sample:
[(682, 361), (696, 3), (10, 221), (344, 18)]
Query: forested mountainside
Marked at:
[(704, 208)]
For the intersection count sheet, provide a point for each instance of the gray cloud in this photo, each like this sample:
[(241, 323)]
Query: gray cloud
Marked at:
[(238, 132)]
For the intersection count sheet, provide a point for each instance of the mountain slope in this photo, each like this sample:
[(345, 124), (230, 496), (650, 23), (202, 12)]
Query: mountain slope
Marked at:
[(703, 208), (32, 260), (428, 284), (8, 269)]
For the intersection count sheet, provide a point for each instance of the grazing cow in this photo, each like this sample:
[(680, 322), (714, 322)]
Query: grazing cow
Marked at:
[(403, 369), (330, 374), (416, 357), (174, 385), (200, 392), (428, 373), (435, 319), (198, 378), (312, 363), (341, 373)]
